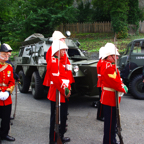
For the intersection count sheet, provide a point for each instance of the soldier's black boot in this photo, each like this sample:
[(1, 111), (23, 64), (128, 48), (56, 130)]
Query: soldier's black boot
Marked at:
[(52, 142)]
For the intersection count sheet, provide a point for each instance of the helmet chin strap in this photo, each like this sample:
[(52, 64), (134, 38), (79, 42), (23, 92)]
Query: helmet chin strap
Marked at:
[(112, 58)]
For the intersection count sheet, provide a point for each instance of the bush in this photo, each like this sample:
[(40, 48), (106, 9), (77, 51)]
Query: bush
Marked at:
[(123, 33)]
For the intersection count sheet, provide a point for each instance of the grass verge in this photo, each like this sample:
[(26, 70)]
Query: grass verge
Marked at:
[(92, 42)]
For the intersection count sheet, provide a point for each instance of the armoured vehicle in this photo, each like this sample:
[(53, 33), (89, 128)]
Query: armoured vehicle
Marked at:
[(131, 65), (31, 67)]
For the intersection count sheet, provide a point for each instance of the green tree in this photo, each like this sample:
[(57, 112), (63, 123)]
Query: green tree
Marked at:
[(134, 13), (118, 14), (5, 14), (85, 12), (118, 10), (36, 16)]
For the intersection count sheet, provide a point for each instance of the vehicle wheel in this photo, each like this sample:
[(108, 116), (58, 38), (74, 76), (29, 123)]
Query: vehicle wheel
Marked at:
[(36, 86), (135, 87), (24, 82)]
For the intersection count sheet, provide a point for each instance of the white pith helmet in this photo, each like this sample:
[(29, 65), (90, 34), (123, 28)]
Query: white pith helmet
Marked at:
[(58, 45), (57, 35), (101, 52), (109, 49)]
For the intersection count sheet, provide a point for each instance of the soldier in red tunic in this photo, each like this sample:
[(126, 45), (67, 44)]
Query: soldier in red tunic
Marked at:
[(100, 114), (111, 82), (59, 79), (57, 35), (7, 84)]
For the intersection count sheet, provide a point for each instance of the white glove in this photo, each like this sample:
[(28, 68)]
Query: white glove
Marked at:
[(1, 95), (5, 95), (66, 82), (120, 94)]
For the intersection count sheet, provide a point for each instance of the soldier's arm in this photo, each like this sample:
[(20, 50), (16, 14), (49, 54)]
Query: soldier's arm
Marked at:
[(57, 81), (114, 80), (11, 83)]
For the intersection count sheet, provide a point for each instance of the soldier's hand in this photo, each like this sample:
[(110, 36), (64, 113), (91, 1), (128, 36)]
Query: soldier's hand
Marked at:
[(68, 95), (4, 95)]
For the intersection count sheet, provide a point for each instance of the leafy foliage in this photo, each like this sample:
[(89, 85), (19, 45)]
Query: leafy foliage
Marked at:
[(85, 12), (119, 18), (134, 13), (116, 11), (99, 15), (35, 16), (21, 18)]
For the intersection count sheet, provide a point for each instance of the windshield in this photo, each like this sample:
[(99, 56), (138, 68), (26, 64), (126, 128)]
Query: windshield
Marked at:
[(138, 47), (127, 49), (70, 43), (73, 52)]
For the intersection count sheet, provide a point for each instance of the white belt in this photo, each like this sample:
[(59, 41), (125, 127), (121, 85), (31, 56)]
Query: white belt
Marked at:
[(108, 89), (120, 94), (3, 84)]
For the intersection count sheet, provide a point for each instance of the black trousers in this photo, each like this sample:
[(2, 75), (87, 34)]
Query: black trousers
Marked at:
[(63, 118), (100, 113), (109, 125), (5, 112)]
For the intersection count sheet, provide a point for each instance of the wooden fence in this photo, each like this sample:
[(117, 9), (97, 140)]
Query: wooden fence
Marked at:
[(95, 27), (141, 27)]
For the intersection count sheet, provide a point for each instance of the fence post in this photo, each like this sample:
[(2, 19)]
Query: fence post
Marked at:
[(77, 28), (140, 26), (103, 26)]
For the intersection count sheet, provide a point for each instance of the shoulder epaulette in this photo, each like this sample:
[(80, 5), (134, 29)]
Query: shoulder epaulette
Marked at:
[(53, 59), (9, 64)]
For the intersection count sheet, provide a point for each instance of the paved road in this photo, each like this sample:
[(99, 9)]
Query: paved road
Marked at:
[(31, 125)]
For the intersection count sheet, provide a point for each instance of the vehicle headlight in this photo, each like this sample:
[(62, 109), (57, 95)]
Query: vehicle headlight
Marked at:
[(75, 68), (68, 33)]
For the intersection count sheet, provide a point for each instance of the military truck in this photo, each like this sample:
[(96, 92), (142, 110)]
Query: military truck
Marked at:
[(131, 65), (31, 67)]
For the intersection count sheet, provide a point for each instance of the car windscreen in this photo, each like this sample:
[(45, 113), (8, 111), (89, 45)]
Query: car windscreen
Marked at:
[(138, 47), (73, 52), (70, 43), (127, 49)]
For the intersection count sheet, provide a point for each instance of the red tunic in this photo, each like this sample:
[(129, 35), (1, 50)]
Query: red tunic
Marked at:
[(64, 60), (99, 64), (46, 81), (110, 82), (57, 77), (7, 82)]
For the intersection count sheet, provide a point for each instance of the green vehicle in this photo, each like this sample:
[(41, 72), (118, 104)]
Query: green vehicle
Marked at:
[(131, 65), (31, 67)]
